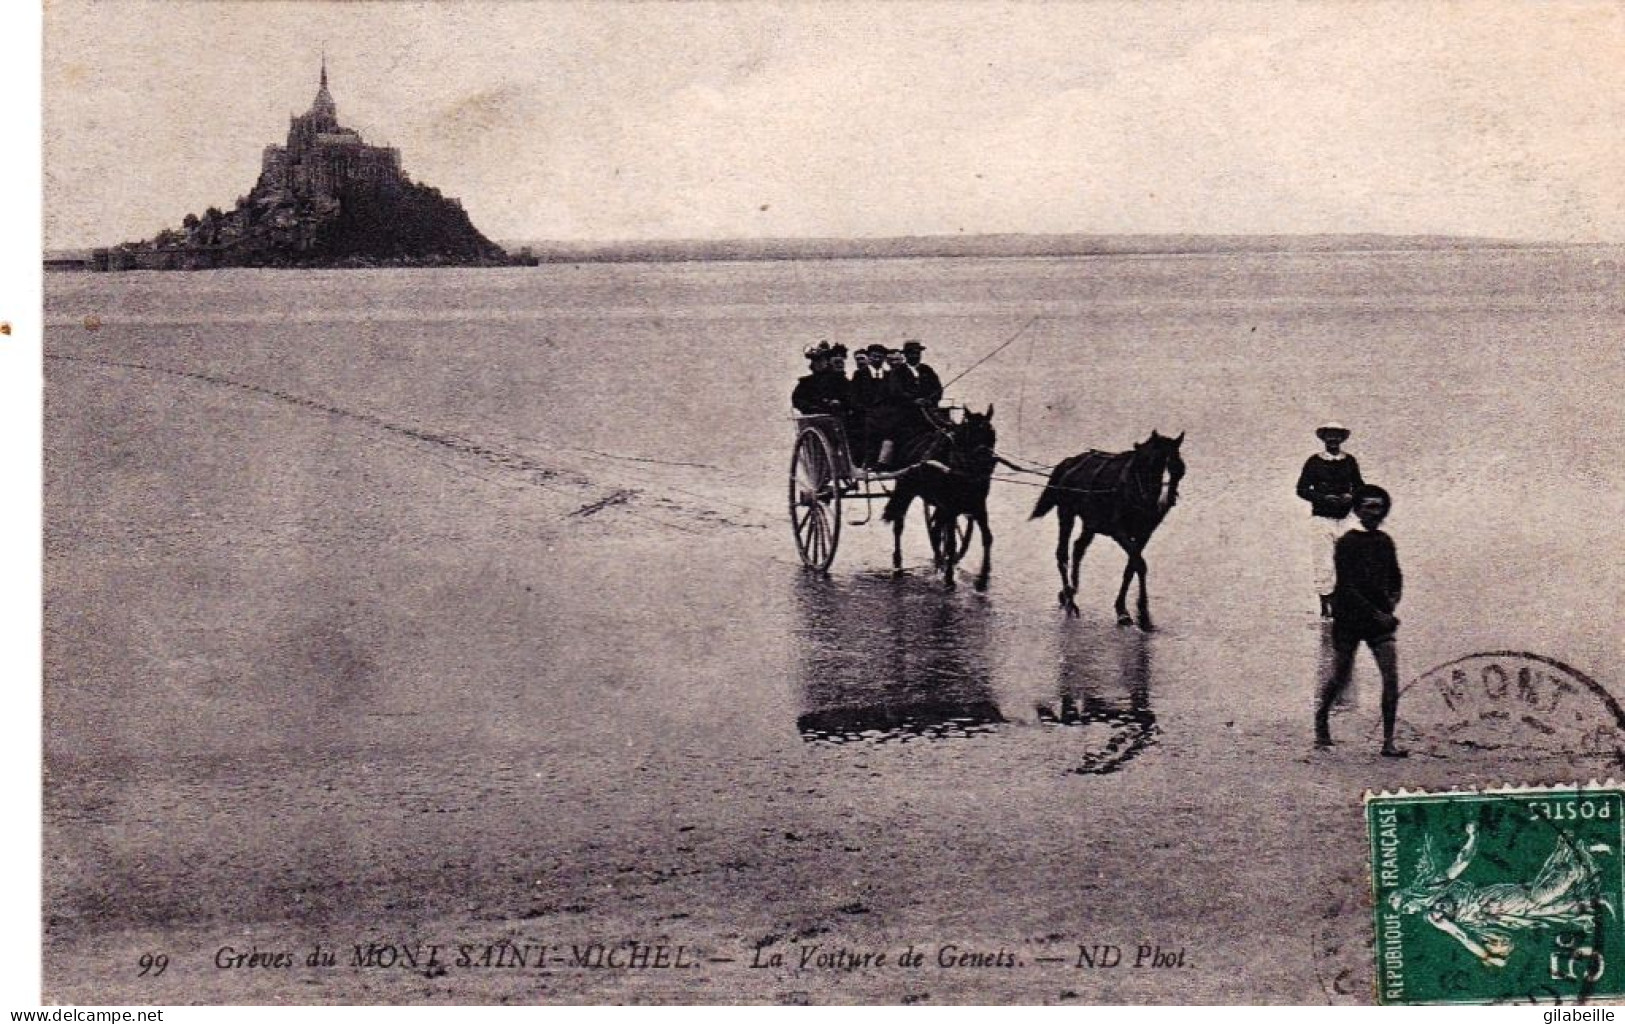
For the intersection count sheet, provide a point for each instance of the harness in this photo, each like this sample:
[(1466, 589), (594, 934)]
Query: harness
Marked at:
[(1123, 481)]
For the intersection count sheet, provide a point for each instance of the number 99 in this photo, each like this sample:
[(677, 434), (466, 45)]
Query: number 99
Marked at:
[(153, 964)]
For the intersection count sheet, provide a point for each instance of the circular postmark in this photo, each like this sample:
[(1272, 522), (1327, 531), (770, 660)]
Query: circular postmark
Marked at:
[(1514, 701)]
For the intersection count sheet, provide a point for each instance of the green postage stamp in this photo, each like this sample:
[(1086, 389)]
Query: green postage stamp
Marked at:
[(1504, 895)]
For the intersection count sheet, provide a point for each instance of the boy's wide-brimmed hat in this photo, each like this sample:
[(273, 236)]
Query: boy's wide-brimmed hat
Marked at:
[(1332, 428)]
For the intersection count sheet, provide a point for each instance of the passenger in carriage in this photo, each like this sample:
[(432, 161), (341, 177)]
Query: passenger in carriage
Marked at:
[(899, 415), (835, 364), (862, 391), (902, 384), (824, 390), (861, 387), (877, 364), (930, 385)]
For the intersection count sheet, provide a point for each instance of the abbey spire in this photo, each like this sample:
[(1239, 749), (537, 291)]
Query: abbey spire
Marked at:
[(322, 108)]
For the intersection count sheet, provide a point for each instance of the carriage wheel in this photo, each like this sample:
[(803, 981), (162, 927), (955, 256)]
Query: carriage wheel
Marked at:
[(815, 500)]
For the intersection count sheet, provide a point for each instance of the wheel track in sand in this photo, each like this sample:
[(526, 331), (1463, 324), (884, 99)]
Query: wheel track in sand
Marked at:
[(535, 473)]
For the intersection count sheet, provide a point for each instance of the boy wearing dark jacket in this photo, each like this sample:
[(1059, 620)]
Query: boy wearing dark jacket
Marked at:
[(1369, 585)]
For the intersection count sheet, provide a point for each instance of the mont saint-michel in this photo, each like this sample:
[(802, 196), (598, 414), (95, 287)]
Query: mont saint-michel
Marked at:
[(325, 198)]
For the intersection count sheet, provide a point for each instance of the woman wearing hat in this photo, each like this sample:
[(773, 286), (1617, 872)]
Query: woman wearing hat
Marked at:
[(824, 389), (1328, 482)]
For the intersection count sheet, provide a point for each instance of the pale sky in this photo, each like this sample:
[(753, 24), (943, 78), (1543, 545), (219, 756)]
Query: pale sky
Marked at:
[(605, 121)]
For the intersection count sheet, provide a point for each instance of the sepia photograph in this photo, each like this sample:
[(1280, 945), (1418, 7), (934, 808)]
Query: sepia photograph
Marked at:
[(795, 503)]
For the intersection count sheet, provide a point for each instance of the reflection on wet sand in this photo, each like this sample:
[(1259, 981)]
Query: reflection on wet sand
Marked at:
[(885, 659), (1103, 685), (893, 660)]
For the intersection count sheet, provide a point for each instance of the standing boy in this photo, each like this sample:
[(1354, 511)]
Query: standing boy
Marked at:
[(1368, 590)]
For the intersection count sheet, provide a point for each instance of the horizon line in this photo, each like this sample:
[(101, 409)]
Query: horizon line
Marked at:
[(609, 244)]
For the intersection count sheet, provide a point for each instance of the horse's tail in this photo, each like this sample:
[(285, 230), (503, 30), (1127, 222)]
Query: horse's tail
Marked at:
[(1052, 494), (1046, 501)]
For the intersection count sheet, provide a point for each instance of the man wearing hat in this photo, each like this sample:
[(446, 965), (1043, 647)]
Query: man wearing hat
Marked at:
[(1328, 482), (929, 384), (877, 361), (863, 391)]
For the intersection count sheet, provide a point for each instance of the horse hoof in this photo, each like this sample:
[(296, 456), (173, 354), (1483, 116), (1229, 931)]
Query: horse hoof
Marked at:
[(980, 584), (1072, 611), (1146, 626), (897, 573), (1124, 619)]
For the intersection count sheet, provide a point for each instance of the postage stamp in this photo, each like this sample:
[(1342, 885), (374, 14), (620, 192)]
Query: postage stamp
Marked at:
[(1502, 895)]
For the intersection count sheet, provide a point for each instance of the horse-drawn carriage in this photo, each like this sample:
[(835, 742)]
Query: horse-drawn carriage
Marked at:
[(1122, 495), (823, 474)]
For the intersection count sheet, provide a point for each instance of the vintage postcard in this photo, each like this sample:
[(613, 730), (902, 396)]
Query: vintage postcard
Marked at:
[(864, 503)]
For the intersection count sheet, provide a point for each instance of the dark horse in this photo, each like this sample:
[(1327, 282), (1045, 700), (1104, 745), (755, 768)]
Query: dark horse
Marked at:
[(953, 481), (1125, 496)]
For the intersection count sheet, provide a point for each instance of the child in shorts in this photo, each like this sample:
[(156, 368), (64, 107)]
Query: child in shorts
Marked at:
[(1363, 602)]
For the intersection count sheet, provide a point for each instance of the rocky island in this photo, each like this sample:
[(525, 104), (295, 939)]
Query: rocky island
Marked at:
[(324, 199)]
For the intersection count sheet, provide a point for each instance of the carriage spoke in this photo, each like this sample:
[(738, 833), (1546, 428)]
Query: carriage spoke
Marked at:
[(817, 521)]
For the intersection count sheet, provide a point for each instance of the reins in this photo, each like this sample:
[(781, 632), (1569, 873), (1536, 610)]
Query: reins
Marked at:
[(1000, 348)]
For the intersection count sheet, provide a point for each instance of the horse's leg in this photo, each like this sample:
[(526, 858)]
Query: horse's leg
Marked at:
[(897, 539), (949, 546), (1131, 548), (1079, 546), (980, 520), (1064, 538), (1144, 603), (932, 515)]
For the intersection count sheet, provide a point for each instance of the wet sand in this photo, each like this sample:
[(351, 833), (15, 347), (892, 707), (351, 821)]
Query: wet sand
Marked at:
[(438, 609)]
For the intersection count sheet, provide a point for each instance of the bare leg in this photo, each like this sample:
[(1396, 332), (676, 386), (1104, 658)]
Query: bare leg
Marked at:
[(1342, 668), (1387, 654), (1067, 589), (987, 548)]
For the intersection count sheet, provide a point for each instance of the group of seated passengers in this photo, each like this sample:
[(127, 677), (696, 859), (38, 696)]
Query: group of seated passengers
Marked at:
[(890, 398)]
